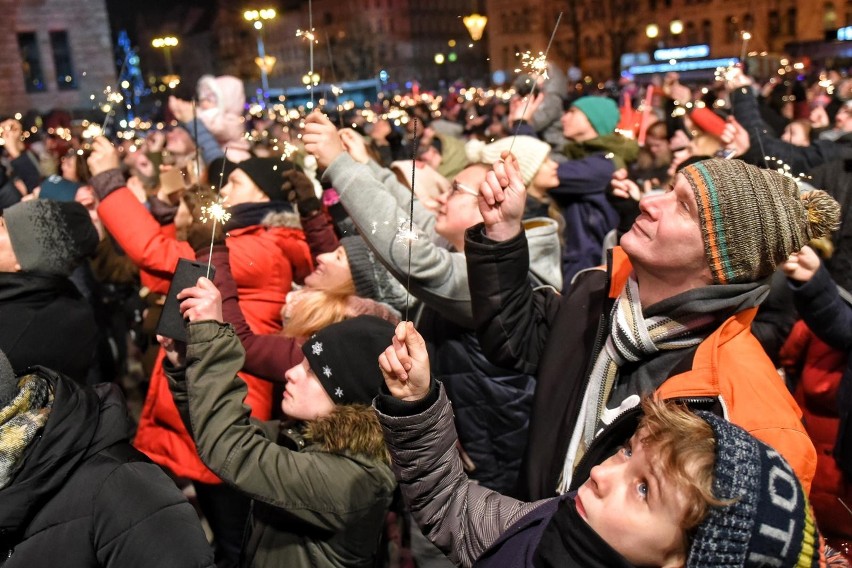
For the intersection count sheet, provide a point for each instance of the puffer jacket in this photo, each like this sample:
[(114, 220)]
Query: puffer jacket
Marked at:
[(321, 506), (819, 348), (554, 337), (83, 497), (265, 260)]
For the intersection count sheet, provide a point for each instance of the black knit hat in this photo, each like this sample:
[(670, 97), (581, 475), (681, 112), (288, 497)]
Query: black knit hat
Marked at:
[(267, 174), (372, 280), (48, 236), (345, 358), (769, 522)]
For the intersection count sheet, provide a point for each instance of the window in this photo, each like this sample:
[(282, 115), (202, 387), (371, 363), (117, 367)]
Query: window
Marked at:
[(707, 32), (732, 30), (28, 47), (774, 22), (691, 33), (65, 80), (791, 21), (829, 16)]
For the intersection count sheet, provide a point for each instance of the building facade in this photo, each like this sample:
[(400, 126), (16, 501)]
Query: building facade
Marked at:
[(594, 34), (57, 53)]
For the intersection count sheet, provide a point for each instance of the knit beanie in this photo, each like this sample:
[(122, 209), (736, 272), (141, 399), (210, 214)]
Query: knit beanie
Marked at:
[(752, 219), (602, 113), (48, 236), (372, 280), (530, 152), (266, 173), (8, 381), (768, 522), (345, 358)]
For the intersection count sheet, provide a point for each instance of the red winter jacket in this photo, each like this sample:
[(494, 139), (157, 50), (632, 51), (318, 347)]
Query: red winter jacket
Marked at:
[(265, 261)]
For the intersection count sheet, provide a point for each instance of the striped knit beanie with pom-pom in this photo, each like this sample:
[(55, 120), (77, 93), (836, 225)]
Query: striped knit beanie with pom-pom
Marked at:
[(752, 219)]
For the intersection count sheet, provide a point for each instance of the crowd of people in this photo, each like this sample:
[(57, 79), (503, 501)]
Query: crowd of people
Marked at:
[(540, 330)]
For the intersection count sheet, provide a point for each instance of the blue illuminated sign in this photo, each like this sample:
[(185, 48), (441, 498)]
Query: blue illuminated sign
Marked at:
[(682, 66), (844, 34), (685, 52)]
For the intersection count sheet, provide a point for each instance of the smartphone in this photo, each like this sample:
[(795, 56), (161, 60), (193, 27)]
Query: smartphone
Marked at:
[(187, 273), (725, 153)]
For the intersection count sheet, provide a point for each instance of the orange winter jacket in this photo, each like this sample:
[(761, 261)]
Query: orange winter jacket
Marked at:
[(264, 261)]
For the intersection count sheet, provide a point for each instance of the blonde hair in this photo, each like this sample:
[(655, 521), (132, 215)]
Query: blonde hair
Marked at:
[(685, 451)]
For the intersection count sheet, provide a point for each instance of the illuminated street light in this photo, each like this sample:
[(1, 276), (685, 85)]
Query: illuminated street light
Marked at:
[(652, 31), (676, 27), (439, 58), (265, 62), (166, 44), (475, 24)]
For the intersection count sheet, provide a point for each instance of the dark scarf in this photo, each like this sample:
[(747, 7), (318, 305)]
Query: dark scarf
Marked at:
[(251, 214), (569, 541)]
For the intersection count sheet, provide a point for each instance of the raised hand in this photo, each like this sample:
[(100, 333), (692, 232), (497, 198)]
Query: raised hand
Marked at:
[(201, 302), (175, 350), (104, 156), (321, 139), (355, 145), (502, 198), (735, 137), (405, 364), (801, 265)]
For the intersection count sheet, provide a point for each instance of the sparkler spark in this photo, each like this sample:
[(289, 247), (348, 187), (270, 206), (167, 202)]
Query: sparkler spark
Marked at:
[(308, 35), (534, 64), (288, 150), (215, 212)]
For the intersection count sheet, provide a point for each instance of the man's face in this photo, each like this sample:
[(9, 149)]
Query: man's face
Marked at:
[(8, 260), (666, 237), (632, 506), (459, 209), (304, 396), (332, 272), (178, 142), (241, 189), (576, 126)]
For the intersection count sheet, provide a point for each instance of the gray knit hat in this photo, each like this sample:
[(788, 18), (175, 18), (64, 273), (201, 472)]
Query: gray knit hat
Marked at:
[(8, 381), (51, 237), (752, 219), (372, 279), (769, 521)]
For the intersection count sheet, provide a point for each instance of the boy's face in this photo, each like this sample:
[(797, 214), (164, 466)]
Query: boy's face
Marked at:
[(634, 508)]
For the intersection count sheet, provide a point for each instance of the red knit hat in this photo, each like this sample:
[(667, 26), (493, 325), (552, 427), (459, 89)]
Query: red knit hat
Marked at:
[(708, 121)]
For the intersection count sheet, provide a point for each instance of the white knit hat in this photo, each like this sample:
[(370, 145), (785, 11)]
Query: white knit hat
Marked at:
[(530, 152)]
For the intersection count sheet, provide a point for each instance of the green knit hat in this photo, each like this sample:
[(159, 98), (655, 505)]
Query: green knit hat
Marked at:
[(602, 113), (752, 219)]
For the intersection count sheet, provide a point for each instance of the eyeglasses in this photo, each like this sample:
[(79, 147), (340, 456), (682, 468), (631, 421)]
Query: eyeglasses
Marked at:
[(460, 187)]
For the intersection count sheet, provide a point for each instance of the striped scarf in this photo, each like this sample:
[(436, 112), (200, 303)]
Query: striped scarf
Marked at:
[(20, 422), (633, 338)]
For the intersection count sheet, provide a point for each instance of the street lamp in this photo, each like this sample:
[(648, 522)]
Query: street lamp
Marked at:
[(265, 62), (166, 44), (676, 27), (652, 31), (475, 24)]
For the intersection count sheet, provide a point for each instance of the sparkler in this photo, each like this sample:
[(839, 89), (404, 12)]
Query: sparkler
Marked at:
[(215, 212), (116, 98), (745, 36), (537, 64), (409, 235), (308, 34)]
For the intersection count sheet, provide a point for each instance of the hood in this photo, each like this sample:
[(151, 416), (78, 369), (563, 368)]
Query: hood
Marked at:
[(228, 91), (286, 219), (350, 429), (82, 422), (545, 251), (626, 150)]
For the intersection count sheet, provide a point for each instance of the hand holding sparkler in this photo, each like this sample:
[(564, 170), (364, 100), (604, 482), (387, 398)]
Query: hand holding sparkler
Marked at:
[(300, 191), (104, 156), (321, 139), (355, 145), (735, 137), (735, 78), (202, 302), (405, 364), (521, 109), (502, 197)]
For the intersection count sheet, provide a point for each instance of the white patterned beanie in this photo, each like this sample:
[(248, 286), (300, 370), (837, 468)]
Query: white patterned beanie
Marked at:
[(345, 358), (769, 521), (530, 152)]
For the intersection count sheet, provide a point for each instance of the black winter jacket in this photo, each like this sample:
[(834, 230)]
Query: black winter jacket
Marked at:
[(45, 321), (83, 497), (836, 179)]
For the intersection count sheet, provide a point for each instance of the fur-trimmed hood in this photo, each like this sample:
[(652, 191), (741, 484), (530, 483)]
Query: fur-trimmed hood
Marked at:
[(351, 428), (287, 219)]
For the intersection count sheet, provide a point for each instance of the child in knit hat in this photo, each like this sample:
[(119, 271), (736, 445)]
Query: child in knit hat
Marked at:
[(321, 483), (684, 489)]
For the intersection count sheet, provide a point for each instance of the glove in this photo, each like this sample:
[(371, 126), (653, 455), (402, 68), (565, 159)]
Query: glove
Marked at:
[(300, 192)]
